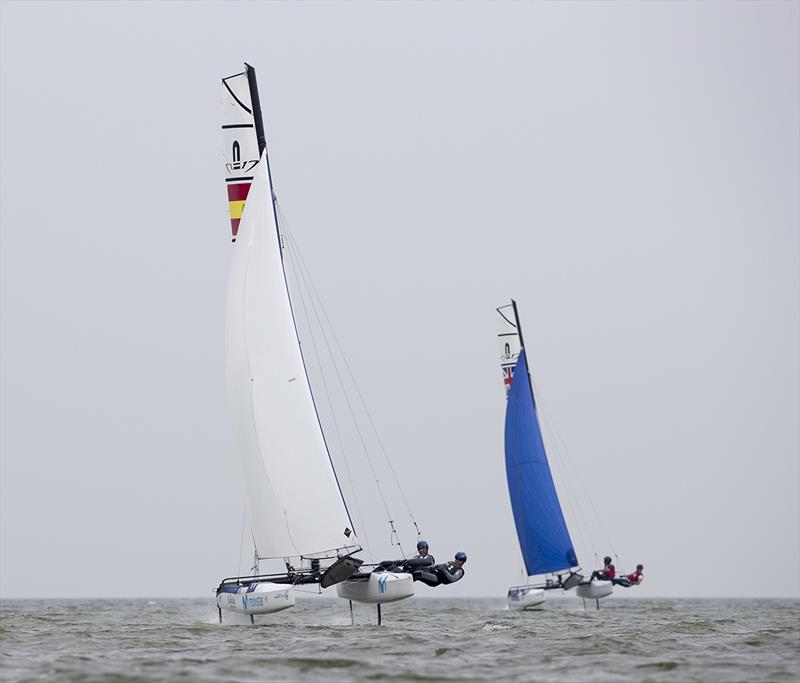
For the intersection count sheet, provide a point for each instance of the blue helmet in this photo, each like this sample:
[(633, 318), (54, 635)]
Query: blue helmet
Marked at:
[(422, 544), (461, 556)]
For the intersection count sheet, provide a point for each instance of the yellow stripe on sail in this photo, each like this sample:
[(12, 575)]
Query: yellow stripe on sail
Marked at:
[(236, 208)]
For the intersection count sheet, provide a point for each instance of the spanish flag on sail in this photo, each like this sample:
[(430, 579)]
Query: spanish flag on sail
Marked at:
[(244, 141)]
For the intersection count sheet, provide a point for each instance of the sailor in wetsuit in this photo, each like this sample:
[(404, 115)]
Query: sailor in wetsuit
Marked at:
[(449, 572), (630, 579), (420, 561), (607, 573)]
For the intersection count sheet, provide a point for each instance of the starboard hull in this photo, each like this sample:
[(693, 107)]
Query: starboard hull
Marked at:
[(525, 597), (263, 598), (378, 588), (594, 590)]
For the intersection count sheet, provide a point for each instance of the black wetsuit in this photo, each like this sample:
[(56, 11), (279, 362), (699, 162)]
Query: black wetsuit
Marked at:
[(449, 572), (406, 566), (419, 562)]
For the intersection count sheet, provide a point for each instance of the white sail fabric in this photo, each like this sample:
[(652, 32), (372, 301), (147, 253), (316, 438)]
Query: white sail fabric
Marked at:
[(294, 501), (241, 143), (508, 336)]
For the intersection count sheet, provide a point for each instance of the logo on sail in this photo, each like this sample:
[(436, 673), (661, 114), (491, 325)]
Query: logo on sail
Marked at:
[(238, 167)]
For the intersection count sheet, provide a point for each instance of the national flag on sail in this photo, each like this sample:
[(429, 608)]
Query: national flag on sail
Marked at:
[(237, 195), (508, 375)]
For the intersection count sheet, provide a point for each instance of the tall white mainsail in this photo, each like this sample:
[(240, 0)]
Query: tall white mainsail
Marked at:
[(294, 501)]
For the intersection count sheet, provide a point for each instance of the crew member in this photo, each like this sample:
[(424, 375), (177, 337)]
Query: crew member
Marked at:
[(422, 551), (449, 572), (607, 573), (421, 560), (630, 579)]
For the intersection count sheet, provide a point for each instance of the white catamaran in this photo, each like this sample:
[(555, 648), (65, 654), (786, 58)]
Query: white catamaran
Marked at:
[(542, 532), (296, 507)]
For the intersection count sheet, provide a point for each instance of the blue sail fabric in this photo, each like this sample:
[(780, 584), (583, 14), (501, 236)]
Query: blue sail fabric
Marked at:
[(542, 531)]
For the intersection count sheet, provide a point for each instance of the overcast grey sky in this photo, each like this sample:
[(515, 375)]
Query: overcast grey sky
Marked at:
[(628, 172)]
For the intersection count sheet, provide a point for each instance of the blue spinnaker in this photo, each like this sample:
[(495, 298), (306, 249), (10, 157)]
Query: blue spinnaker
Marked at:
[(542, 531)]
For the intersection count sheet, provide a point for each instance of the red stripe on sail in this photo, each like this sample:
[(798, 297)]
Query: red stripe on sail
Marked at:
[(238, 192), (235, 225)]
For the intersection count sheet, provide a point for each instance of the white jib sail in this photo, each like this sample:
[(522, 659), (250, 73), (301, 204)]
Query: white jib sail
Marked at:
[(294, 501), (508, 336)]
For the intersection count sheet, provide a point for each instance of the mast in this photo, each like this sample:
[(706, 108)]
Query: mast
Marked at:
[(261, 138), (522, 347), (296, 502), (519, 326), (541, 529)]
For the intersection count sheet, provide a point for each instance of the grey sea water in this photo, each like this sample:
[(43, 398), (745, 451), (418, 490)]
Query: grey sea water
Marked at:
[(131, 641)]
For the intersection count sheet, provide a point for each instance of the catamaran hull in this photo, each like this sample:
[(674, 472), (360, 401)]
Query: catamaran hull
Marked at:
[(525, 597), (265, 598), (378, 588), (594, 590)]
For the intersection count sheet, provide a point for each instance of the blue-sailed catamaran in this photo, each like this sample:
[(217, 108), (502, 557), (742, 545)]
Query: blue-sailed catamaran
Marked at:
[(544, 539)]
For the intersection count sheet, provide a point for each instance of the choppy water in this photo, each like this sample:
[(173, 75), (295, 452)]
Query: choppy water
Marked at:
[(117, 641)]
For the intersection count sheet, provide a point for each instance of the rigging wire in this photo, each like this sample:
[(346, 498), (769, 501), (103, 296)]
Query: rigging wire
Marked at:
[(585, 491), (327, 393), (304, 590), (309, 283), (241, 544), (349, 372), (352, 413), (591, 503), (559, 463)]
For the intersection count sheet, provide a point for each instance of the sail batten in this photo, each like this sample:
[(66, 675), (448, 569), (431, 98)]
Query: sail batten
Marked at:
[(542, 532)]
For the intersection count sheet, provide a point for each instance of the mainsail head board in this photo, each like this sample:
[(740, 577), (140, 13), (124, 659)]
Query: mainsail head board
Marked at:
[(542, 532), (294, 502)]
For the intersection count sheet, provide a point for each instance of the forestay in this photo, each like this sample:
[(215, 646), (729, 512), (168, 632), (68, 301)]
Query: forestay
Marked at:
[(294, 501), (543, 536)]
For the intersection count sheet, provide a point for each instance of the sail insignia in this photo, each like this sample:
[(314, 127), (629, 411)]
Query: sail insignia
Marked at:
[(241, 145)]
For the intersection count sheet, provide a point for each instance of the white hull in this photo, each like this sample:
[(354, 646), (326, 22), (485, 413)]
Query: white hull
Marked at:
[(265, 598), (594, 590), (525, 597), (378, 588)]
